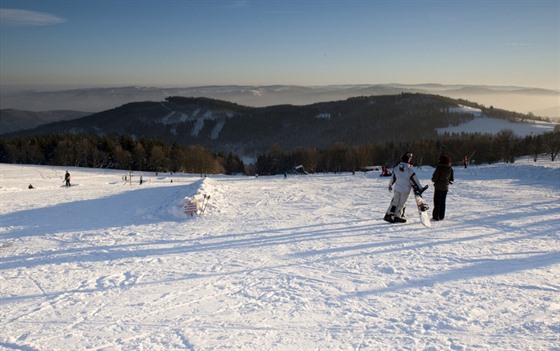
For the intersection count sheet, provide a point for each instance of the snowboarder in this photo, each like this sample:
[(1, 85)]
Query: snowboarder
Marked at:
[(402, 180), (442, 178), (67, 178)]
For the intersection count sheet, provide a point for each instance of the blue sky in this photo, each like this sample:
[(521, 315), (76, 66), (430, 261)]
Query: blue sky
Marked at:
[(70, 43)]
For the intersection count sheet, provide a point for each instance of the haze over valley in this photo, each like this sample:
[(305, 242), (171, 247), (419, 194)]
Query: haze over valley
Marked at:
[(539, 102)]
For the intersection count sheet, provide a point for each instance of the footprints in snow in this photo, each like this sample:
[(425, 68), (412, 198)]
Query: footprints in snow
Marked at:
[(124, 280)]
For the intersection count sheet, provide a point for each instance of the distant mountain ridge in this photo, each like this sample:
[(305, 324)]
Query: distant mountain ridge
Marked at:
[(230, 127), (541, 102), (15, 120)]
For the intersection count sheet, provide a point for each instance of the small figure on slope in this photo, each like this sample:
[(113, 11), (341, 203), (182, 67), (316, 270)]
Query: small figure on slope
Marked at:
[(442, 178), (385, 172), (402, 181), (67, 178)]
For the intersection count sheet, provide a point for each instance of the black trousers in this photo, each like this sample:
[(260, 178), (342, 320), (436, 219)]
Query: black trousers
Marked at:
[(439, 205)]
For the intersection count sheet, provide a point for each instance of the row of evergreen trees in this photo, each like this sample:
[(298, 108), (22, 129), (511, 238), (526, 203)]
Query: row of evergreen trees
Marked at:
[(122, 152), (478, 148), (127, 153)]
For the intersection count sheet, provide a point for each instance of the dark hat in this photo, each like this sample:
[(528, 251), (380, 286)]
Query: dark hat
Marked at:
[(444, 159), (406, 157)]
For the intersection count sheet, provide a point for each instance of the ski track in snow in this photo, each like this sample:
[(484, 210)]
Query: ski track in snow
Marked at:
[(303, 263)]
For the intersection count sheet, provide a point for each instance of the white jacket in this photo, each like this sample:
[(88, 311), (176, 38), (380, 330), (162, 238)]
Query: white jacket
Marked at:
[(403, 175)]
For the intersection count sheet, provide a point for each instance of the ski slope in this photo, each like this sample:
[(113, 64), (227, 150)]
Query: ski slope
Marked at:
[(303, 263)]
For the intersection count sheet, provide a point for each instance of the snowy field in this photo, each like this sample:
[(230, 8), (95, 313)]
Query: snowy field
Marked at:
[(489, 125), (303, 263)]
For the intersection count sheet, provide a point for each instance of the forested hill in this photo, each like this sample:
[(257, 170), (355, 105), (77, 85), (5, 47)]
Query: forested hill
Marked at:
[(228, 127)]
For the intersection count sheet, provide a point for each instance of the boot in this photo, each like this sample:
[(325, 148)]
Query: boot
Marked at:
[(388, 218)]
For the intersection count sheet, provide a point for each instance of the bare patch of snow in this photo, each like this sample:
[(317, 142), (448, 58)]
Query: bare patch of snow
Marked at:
[(489, 125)]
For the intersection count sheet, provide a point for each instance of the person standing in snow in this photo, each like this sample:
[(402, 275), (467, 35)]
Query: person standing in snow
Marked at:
[(385, 172), (402, 181), (442, 178), (67, 178)]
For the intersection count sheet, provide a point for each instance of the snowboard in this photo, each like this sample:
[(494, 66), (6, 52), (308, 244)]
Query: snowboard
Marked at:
[(422, 206), (423, 210)]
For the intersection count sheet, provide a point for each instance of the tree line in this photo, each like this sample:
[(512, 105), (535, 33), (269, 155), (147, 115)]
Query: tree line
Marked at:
[(122, 152), (128, 153), (478, 148)]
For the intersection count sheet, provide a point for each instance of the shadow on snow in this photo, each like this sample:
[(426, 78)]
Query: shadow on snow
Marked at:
[(135, 207)]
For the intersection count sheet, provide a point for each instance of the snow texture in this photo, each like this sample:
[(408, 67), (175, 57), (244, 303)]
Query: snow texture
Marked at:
[(489, 125), (303, 263)]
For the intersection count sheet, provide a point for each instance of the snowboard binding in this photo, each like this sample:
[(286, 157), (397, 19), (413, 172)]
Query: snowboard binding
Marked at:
[(418, 190)]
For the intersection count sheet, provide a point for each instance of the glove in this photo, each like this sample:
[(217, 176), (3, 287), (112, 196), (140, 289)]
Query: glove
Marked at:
[(390, 188)]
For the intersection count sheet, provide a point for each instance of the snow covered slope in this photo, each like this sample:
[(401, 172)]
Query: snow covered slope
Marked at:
[(303, 263), (489, 125)]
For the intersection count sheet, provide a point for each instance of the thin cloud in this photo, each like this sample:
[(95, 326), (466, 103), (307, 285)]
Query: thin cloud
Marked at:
[(19, 18), (239, 4), (519, 44)]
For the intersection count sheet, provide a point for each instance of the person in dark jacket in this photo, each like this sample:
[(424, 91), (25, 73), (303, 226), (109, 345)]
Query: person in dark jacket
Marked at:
[(442, 178), (67, 178)]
